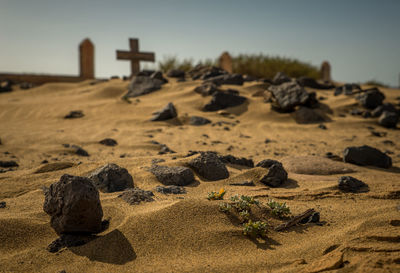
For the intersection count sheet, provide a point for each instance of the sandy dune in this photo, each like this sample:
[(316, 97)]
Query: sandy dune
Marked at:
[(187, 233)]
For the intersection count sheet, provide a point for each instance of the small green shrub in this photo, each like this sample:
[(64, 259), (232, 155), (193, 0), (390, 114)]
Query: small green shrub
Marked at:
[(278, 209), (255, 229), (245, 215), (216, 195), (225, 207)]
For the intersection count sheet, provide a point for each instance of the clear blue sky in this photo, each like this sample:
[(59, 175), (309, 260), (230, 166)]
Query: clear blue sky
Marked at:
[(361, 39)]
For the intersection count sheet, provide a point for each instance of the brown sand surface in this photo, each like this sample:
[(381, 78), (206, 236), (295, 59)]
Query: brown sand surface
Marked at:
[(187, 233)]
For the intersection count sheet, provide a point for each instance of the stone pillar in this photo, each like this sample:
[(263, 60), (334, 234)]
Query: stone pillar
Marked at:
[(326, 72), (225, 62), (86, 59)]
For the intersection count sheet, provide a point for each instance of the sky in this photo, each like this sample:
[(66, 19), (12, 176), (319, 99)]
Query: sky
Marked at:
[(360, 38)]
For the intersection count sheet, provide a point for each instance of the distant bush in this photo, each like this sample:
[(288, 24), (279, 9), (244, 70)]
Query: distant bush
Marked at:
[(261, 66), (375, 83)]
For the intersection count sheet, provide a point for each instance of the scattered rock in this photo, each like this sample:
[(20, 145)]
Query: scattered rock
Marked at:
[(111, 178), (178, 176), (198, 121), (288, 95), (79, 150), (244, 184), (322, 126), (206, 89), (159, 76), (305, 115), (313, 218), (267, 163), (3, 204), (204, 72), (312, 83), (141, 85), (74, 114), (371, 98), (157, 160), (172, 189), (26, 85), (135, 196), (382, 108), (6, 86), (221, 100), (367, 156), (8, 164), (389, 119), (168, 112), (109, 142), (176, 73), (332, 156), (351, 184), (74, 205), (52, 167), (280, 78), (347, 89), (209, 166), (275, 177), (234, 79), (230, 159), (164, 149)]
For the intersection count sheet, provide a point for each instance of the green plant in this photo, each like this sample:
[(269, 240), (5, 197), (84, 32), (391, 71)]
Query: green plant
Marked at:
[(225, 207), (245, 215), (216, 195), (278, 209), (255, 229)]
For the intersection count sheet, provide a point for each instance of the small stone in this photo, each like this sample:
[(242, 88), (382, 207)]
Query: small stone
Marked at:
[(244, 184), (275, 177), (109, 142), (168, 112), (267, 163), (111, 178), (209, 166), (178, 176), (157, 160), (135, 196), (371, 98), (3, 204), (206, 89), (230, 159), (351, 184), (367, 156), (74, 114), (164, 149), (172, 189), (322, 126), (389, 119), (198, 121), (74, 205), (313, 218), (8, 164)]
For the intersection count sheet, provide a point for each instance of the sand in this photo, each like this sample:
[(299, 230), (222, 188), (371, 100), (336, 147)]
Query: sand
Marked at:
[(187, 233)]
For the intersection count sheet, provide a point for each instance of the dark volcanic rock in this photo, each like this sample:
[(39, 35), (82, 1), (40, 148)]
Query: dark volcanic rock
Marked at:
[(159, 76), (74, 205), (146, 73), (371, 98), (197, 121), (382, 108), (74, 114), (389, 119), (305, 115), (221, 100), (168, 112), (3, 204), (235, 79), (289, 95), (204, 72), (280, 78), (8, 164), (178, 176), (171, 189), (176, 73), (135, 196), (76, 150), (206, 89), (243, 184), (230, 159), (209, 166), (312, 83), (351, 184), (141, 85), (267, 163), (313, 218), (275, 177), (109, 142), (5, 86), (164, 149), (347, 89), (111, 178), (367, 156)]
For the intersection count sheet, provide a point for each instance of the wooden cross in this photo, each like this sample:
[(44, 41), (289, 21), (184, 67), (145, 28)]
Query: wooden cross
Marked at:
[(135, 56)]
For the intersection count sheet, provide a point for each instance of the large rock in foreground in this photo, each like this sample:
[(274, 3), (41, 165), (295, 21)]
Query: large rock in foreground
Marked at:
[(111, 178), (371, 98), (141, 85), (367, 156), (389, 119), (209, 166), (74, 205), (275, 177)]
